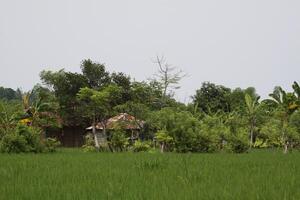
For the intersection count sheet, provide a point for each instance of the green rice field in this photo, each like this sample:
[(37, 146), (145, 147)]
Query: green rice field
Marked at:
[(72, 174)]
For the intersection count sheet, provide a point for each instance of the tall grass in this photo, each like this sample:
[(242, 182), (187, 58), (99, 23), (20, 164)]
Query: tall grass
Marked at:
[(75, 175)]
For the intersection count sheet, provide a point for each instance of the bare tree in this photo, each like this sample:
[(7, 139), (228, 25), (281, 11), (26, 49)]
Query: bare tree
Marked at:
[(168, 76)]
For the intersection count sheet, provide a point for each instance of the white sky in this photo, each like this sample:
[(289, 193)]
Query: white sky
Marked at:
[(235, 43)]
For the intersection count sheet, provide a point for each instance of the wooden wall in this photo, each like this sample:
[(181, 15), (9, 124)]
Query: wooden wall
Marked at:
[(68, 136)]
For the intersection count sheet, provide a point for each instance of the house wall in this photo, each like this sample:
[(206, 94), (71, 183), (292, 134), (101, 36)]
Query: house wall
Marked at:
[(68, 136)]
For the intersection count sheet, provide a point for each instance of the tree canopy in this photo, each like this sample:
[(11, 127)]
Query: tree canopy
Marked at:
[(218, 118)]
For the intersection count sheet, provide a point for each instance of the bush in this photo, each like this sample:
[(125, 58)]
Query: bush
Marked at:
[(32, 137), (237, 144), (140, 146), (51, 144), (118, 140), (89, 140), (203, 144), (164, 139), (22, 139), (89, 144), (89, 148), (13, 143)]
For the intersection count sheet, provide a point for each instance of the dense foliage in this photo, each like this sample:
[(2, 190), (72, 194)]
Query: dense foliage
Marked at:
[(218, 119)]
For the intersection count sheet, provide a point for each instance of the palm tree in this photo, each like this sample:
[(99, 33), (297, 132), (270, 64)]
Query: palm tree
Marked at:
[(286, 105), (252, 106)]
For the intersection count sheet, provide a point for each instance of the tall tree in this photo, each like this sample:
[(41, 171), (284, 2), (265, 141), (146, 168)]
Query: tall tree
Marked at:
[(237, 98), (99, 105), (66, 85), (95, 73), (168, 76), (124, 82), (212, 98), (8, 93)]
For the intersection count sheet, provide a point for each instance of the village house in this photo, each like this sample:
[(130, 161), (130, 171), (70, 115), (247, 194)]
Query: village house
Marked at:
[(123, 121)]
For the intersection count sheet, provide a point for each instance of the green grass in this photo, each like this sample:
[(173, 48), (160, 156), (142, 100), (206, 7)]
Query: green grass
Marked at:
[(71, 174)]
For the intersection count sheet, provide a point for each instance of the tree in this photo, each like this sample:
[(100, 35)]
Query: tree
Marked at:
[(237, 98), (95, 74), (286, 105), (212, 98), (65, 86), (295, 123), (124, 82), (8, 94), (164, 139), (252, 106), (149, 94), (168, 76), (99, 105), (118, 141), (87, 96), (180, 125), (40, 108), (9, 116)]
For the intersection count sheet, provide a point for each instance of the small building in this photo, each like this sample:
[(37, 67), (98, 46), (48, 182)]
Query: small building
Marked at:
[(123, 121)]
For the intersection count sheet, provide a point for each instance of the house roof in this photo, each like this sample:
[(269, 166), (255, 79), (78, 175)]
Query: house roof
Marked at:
[(123, 120)]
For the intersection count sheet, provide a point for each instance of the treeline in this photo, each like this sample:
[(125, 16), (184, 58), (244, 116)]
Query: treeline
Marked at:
[(217, 119), (10, 94)]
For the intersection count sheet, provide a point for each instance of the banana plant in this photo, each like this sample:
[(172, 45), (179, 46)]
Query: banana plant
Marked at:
[(296, 88), (38, 111), (286, 105), (252, 105)]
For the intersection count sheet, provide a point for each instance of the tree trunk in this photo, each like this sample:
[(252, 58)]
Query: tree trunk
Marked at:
[(107, 143), (285, 148), (95, 135), (162, 147), (131, 136), (251, 137)]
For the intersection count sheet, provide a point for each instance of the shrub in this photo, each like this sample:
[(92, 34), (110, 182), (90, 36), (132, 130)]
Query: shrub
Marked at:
[(272, 131), (13, 143), (164, 140), (140, 146), (89, 148), (89, 140), (51, 144), (22, 139), (238, 146), (237, 143), (203, 144), (89, 144), (32, 136), (118, 140)]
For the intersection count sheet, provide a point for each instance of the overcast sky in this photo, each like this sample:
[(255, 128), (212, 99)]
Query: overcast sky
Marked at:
[(231, 42)]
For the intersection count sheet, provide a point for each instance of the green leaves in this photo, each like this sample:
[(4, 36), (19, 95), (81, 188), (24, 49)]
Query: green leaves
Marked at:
[(162, 136)]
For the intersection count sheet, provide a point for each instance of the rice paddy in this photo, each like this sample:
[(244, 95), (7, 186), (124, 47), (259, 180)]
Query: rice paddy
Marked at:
[(72, 174)]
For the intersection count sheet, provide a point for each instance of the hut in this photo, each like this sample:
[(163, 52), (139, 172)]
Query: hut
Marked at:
[(124, 121)]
